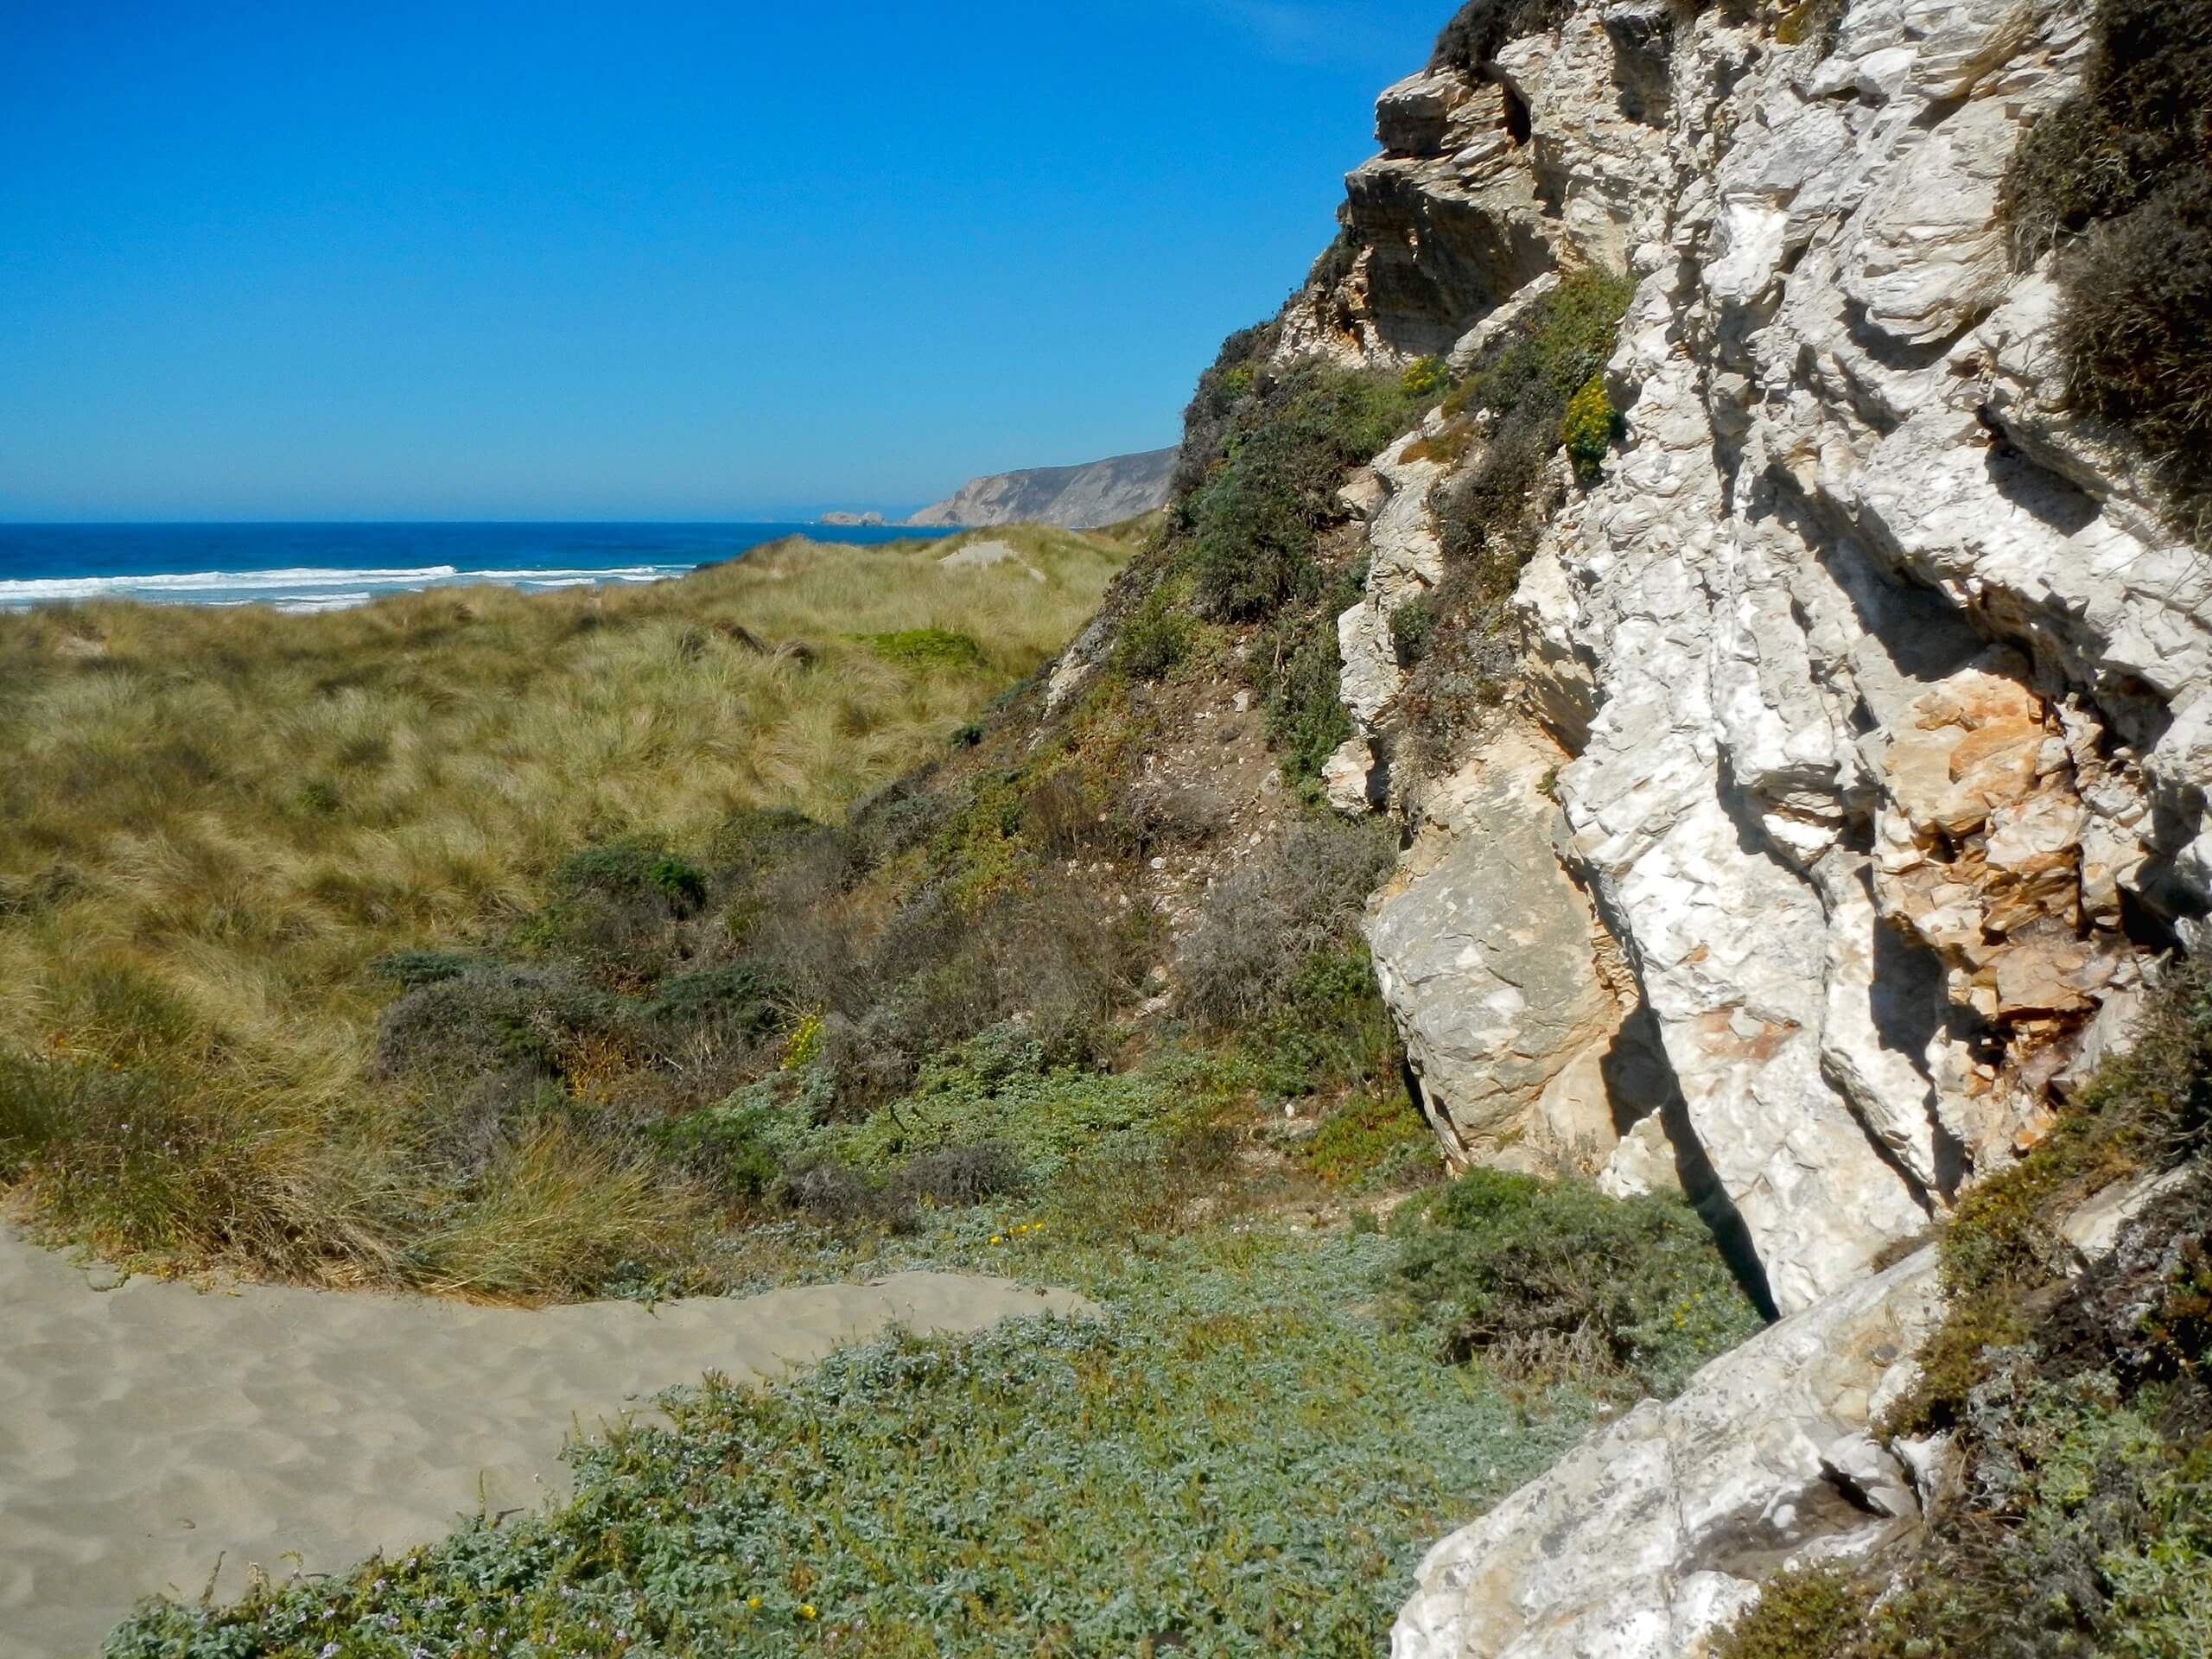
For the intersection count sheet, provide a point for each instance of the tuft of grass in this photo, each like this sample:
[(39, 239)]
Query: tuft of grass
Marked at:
[(927, 648)]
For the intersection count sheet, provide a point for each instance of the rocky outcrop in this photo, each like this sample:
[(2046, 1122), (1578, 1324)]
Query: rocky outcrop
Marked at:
[(1860, 754), (1076, 498), (1873, 691), (1482, 907), (1658, 1527)]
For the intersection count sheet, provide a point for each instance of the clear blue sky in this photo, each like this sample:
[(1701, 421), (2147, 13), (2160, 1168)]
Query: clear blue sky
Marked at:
[(661, 258)]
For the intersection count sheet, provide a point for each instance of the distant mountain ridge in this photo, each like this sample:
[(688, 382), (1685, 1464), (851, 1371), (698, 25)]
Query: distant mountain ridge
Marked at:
[(1074, 498)]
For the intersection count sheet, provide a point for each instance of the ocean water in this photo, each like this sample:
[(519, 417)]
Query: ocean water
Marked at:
[(300, 568)]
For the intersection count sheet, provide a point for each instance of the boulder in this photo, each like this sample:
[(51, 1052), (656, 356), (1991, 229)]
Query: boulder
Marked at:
[(1662, 1525), (1483, 949)]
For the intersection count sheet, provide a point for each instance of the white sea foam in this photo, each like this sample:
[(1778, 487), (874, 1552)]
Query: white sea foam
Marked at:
[(309, 590), (307, 605), (209, 581)]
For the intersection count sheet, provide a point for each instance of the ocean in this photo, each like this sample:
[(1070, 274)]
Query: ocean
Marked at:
[(302, 567)]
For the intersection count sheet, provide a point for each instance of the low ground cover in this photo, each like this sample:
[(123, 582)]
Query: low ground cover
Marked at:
[(1240, 1458)]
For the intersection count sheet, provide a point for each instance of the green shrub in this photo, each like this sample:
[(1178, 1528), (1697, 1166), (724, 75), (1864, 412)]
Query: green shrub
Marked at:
[(1000, 1089), (734, 1151), (1413, 625), (1478, 28), (2137, 334), (635, 872), (1814, 1613), (1331, 1027), (2117, 178), (1588, 428), (923, 648), (408, 969), (744, 998), (1251, 524), (1552, 1281), (1372, 1137), (1301, 674), (1215, 403), (492, 1019), (1156, 638)]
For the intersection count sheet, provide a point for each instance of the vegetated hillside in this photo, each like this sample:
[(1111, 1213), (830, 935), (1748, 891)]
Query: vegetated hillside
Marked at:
[(1088, 496), (1083, 1000), (1797, 730), (1660, 648), (223, 833)]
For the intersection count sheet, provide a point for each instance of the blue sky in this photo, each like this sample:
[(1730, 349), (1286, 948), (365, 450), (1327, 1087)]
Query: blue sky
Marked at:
[(654, 259)]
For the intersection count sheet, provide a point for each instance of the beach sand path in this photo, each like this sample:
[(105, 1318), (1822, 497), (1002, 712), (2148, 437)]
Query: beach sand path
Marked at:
[(152, 1429)]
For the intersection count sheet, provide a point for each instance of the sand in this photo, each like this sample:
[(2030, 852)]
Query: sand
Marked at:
[(149, 1431), (986, 554), (979, 554)]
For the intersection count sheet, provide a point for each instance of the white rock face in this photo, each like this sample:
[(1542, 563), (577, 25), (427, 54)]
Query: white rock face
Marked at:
[(1481, 907), (1658, 1529), (1879, 693), (1875, 710)]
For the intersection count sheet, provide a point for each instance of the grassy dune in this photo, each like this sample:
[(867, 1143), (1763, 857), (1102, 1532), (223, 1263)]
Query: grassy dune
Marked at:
[(213, 822)]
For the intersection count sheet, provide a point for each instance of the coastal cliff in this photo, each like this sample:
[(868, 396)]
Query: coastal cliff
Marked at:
[(1800, 768), (1854, 768), (1088, 496)]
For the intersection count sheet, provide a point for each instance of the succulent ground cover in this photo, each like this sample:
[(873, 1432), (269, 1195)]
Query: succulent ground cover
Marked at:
[(1245, 1456)]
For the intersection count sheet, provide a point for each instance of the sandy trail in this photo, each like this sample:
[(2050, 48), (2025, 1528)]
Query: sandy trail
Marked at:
[(148, 1430)]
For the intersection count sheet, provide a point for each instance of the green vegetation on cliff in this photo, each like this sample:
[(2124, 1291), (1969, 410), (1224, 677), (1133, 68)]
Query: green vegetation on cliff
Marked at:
[(2119, 179)]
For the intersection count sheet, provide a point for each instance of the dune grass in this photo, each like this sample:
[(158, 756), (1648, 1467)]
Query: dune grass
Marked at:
[(213, 822)]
